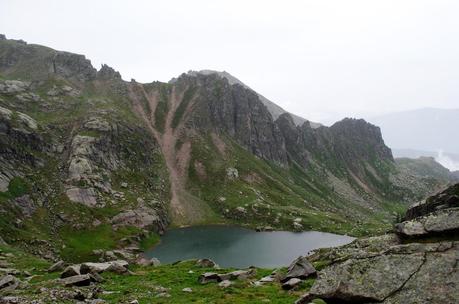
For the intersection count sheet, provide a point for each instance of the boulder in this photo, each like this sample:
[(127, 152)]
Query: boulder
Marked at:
[(206, 263), (117, 268), (87, 197), (291, 284), (225, 284), (8, 283), (71, 271), (142, 261), (101, 267), (300, 268), (209, 277), (370, 279), (239, 274), (77, 280), (58, 266), (445, 220)]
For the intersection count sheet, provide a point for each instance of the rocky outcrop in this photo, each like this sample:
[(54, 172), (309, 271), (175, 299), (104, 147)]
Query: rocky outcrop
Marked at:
[(449, 198), (107, 73), (388, 270)]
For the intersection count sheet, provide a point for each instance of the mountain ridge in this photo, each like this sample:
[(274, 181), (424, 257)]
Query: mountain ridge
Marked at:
[(86, 152)]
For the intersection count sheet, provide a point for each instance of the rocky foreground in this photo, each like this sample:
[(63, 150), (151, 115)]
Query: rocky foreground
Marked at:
[(416, 264)]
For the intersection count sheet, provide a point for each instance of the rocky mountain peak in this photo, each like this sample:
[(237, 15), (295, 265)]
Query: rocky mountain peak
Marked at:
[(273, 108), (106, 72), (73, 66)]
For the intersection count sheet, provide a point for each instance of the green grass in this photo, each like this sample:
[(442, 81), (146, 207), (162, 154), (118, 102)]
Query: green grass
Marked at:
[(176, 277), (80, 244), (187, 97), (149, 241)]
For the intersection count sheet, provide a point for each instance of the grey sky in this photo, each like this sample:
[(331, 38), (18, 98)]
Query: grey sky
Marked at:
[(319, 59)]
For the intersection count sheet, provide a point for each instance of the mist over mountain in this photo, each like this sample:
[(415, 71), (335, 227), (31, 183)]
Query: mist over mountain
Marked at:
[(427, 129)]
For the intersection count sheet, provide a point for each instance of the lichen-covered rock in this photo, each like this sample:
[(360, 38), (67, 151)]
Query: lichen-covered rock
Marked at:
[(444, 220), (371, 279)]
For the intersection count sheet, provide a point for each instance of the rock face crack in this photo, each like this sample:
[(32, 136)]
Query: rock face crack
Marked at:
[(408, 279)]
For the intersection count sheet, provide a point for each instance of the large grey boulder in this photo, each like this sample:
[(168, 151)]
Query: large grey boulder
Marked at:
[(300, 268)]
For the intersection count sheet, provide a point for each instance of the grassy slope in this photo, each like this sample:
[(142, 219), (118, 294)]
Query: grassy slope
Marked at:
[(268, 191)]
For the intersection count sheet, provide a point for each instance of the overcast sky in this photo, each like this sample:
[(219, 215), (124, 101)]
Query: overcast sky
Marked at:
[(319, 59)]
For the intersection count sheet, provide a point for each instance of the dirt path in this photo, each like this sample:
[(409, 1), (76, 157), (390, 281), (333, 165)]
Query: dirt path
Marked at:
[(177, 162)]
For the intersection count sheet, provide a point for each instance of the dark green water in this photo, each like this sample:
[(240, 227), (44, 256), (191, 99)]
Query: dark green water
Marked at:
[(239, 247)]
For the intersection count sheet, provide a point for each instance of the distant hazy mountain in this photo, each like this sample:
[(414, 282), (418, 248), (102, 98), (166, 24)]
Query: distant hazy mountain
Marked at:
[(273, 108), (426, 129), (447, 160)]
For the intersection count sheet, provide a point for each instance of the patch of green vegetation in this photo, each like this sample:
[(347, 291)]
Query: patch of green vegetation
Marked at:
[(80, 244), (90, 133), (162, 107), (16, 188), (149, 241), (187, 97)]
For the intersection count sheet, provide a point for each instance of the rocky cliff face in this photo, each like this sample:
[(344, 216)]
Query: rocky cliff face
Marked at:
[(82, 149)]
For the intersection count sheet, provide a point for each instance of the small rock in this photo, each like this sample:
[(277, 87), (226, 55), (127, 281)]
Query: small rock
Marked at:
[(209, 277), (124, 185), (71, 271), (225, 284), (58, 266), (77, 280), (187, 289), (290, 284), (207, 263)]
